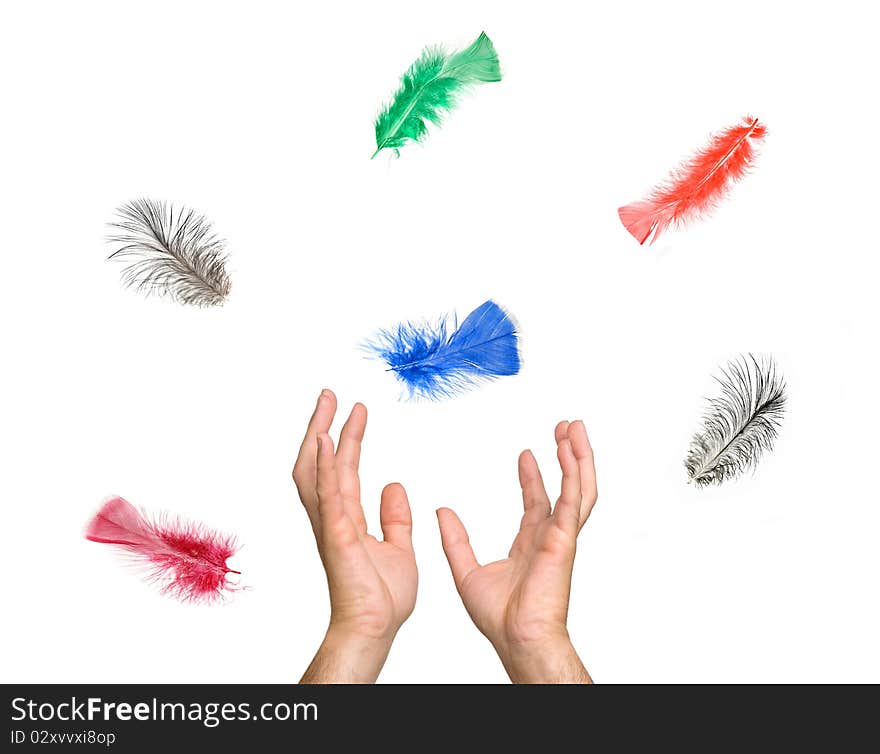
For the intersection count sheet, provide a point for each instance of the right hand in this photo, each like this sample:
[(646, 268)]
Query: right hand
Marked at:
[(372, 583)]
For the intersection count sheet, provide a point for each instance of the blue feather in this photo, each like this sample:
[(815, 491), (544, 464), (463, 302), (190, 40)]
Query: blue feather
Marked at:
[(435, 364)]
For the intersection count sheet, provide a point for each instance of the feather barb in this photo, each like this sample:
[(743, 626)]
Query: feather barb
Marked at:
[(696, 187), (170, 251), (188, 560), (430, 88), (740, 424), (436, 362)]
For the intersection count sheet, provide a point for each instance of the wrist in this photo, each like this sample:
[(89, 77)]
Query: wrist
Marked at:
[(348, 656), (363, 655), (550, 659)]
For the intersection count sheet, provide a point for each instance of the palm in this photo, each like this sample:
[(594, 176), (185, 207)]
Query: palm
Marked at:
[(518, 596), (381, 581)]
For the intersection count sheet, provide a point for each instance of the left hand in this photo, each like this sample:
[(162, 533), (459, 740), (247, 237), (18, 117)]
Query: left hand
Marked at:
[(520, 603)]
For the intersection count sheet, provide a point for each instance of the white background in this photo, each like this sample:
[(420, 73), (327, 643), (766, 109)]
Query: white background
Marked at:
[(261, 115)]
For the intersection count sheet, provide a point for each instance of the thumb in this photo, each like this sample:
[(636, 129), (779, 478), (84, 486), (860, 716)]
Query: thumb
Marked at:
[(456, 545), (395, 516)]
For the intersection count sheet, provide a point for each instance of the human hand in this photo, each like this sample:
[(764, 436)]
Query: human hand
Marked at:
[(372, 584), (521, 603)]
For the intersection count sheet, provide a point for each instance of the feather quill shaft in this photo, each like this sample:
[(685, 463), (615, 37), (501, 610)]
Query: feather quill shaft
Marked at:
[(170, 251), (430, 88), (695, 187), (433, 362), (187, 559), (739, 425)]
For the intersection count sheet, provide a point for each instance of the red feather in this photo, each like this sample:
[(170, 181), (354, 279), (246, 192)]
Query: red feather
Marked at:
[(696, 186), (187, 559)]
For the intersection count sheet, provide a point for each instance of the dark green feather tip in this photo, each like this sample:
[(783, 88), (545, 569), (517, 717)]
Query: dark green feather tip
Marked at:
[(430, 88)]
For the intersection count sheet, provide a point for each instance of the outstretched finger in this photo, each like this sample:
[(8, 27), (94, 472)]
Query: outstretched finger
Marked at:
[(561, 432), (396, 517), (567, 509), (583, 452), (536, 504), (305, 470), (335, 524), (348, 456), (456, 545)]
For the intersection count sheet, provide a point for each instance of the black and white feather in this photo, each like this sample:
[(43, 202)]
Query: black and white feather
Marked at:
[(740, 424), (170, 251)]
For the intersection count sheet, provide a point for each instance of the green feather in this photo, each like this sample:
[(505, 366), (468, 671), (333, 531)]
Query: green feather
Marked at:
[(430, 88)]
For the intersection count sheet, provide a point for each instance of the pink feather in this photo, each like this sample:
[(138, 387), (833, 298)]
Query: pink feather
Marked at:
[(696, 186), (187, 559)]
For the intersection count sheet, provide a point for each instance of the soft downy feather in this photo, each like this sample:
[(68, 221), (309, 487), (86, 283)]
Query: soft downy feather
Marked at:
[(695, 187), (430, 88), (434, 363), (739, 425), (170, 251), (187, 560)]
